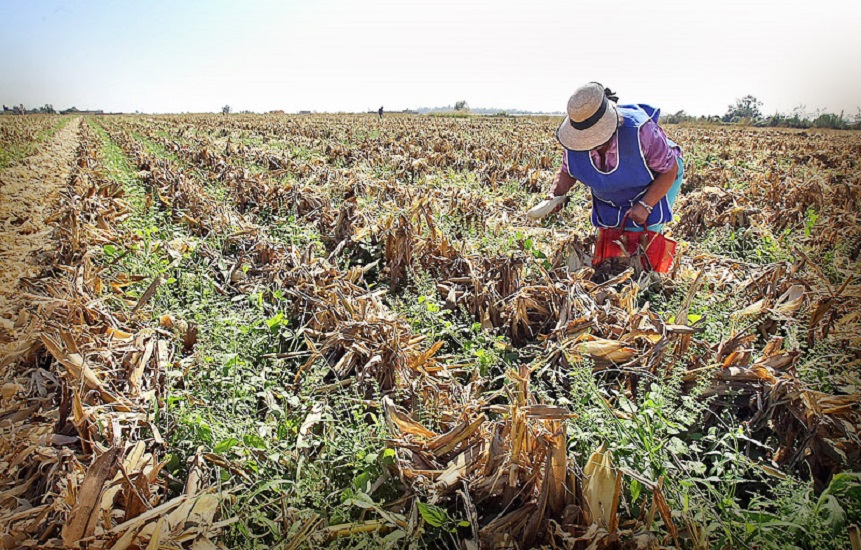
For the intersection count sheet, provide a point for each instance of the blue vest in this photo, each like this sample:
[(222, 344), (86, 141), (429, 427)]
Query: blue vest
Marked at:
[(616, 191)]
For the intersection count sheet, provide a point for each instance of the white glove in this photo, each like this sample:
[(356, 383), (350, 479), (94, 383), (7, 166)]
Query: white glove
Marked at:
[(545, 207)]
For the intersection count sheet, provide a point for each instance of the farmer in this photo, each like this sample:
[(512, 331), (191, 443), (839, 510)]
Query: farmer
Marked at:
[(380, 112), (621, 154)]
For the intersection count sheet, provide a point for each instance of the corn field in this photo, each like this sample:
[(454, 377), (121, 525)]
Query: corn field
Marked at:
[(280, 331)]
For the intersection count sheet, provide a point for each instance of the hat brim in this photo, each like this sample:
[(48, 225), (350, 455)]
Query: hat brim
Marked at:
[(598, 134)]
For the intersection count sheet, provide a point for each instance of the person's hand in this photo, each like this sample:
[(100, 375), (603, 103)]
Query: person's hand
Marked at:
[(550, 196), (638, 214)]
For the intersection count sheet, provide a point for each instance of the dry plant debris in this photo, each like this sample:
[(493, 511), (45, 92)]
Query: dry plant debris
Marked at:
[(87, 359)]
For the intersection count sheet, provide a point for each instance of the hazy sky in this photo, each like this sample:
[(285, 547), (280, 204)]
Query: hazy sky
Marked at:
[(330, 55)]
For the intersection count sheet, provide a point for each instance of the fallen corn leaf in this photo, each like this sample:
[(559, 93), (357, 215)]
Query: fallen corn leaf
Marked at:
[(611, 350), (601, 489)]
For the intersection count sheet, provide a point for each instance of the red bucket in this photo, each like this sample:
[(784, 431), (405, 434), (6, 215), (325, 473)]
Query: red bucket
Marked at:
[(655, 251)]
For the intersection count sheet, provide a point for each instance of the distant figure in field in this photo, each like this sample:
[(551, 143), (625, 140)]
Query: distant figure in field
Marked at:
[(621, 154), (380, 112)]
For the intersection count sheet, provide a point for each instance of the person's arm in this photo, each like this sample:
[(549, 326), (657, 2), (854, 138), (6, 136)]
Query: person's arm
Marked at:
[(657, 191), (562, 183), (662, 160)]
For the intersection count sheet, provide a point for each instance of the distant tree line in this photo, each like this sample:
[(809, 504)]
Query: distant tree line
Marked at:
[(21, 110), (747, 110), (44, 109)]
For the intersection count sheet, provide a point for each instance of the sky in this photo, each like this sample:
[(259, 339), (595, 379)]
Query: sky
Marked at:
[(331, 55)]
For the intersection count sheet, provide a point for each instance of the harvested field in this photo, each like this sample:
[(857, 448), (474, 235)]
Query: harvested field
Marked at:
[(21, 136), (318, 331)]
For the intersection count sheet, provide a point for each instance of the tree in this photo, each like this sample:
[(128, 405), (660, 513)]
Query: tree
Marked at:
[(746, 107), (461, 105), (830, 120), (677, 117), (225, 110)]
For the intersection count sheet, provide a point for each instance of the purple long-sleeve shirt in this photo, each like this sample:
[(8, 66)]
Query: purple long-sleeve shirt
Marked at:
[(658, 154)]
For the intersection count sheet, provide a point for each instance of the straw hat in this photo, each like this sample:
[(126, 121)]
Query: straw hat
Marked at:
[(592, 118)]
